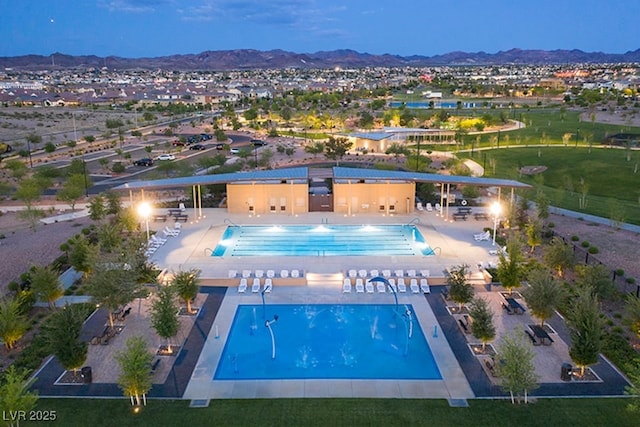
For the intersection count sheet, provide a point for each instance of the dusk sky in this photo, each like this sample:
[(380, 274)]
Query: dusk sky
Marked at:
[(148, 28)]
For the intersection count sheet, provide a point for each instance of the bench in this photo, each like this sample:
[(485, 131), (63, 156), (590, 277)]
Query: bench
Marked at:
[(491, 368), (160, 217), (464, 327), (480, 215), (464, 210), (459, 215), (182, 217), (175, 212), (155, 364), (506, 307), (532, 338)]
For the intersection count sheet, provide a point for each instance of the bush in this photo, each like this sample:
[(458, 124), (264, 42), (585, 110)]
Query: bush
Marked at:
[(619, 272), (551, 225), (585, 244), (118, 168), (630, 280), (593, 250), (13, 286), (574, 238)]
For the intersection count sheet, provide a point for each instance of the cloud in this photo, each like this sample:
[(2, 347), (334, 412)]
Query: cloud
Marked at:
[(131, 6)]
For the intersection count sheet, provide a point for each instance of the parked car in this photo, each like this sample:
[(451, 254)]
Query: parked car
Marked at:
[(205, 136), (234, 150), (166, 157), (219, 146), (258, 143), (144, 162), (197, 147), (178, 143)]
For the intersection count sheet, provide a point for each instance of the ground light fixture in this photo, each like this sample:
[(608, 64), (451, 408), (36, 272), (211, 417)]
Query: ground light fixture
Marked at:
[(144, 210), (495, 211)]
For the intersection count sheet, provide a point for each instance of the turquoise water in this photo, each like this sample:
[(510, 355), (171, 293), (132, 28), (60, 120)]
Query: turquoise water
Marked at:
[(436, 104), (322, 240), (353, 341)]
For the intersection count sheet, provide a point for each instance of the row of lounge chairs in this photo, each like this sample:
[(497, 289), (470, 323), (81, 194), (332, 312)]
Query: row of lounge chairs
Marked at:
[(256, 285), (270, 274), (428, 207), (363, 274), (381, 287), (156, 241)]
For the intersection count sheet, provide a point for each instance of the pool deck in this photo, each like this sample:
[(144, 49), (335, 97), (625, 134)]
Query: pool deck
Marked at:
[(189, 375)]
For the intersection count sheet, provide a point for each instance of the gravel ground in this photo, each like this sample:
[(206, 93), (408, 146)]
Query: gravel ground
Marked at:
[(22, 247)]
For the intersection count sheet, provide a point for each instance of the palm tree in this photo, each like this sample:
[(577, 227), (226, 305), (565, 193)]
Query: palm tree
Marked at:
[(186, 284)]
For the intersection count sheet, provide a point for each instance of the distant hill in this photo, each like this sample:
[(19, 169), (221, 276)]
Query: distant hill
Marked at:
[(275, 59)]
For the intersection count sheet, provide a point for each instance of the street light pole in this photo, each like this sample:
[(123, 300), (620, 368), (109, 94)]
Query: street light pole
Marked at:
[(144, 209), (495, 210), (84, 163)]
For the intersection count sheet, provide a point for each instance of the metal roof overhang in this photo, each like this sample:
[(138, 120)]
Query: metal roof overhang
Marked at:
[(340, 173), (235, 177)]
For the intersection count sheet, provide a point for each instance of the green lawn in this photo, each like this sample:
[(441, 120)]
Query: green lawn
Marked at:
[(337, 412), (612, 186)]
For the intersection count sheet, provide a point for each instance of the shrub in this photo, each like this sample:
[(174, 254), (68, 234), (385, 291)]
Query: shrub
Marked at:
[(551, 225), (13, 286), (585, 244), (593, 250), (619, 272), (630, 280), (118, 167), (574, 238)]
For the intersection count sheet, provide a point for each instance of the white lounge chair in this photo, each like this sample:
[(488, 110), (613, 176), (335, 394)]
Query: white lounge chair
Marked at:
[(246, 273), (362, 273), (166, 234), (424, 286), (268, 285), (158, 239), (259, 274), (233, 274), (402, 287), (386, 273), (411, 273), (369, 287), (438, 208), (502, 250), (346, 285), (419, 206), (177, 226), (242, 287), (359, 286), (374, 273), (256, 285), (382, 288), (271, 274), (295, 273), (414, 286), (425, 273), (181, 207), (284, 273), (353, 273), (172, 231), (429, 207), (392, 285), (482, 236), (399, 273)]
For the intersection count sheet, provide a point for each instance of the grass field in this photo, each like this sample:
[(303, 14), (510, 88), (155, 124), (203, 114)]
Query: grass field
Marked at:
[(339, 412)]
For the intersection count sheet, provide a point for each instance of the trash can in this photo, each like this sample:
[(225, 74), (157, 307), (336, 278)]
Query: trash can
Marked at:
[(565, 372), (86, 374)]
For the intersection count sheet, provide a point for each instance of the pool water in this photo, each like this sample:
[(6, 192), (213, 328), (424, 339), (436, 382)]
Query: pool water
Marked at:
[(353, 341), (322, 240)]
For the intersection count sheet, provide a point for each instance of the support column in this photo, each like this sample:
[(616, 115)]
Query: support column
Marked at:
[(448, 196), (195, 202), (441, 213), (200, 199)]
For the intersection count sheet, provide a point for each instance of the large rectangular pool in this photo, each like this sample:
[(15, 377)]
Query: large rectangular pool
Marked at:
[(352, 341), (322, 240)]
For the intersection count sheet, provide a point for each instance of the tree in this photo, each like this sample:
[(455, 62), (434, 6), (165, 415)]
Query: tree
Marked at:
[(112, 285), (516, 368), (62, 333), (73, 189), (596, 276), (164, 317), (460, 291), (543, 295), (586, 328), (482, 326), (632, 314), (113, 203), (533, 230), (186, 284), (397, 150), (46, 285), (82, 256), (97, 208), (559, 256), (13, 324), (314, 148), (510, 266), (29, 192), (336, 148), (135, 374), (15, 396)]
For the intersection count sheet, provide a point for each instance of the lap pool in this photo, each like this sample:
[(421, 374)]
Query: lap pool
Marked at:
[(322, 240), (322, 341)]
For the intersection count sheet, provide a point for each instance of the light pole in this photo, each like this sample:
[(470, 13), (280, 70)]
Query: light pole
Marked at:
[(495, 210), (84, 163), (144, 209)]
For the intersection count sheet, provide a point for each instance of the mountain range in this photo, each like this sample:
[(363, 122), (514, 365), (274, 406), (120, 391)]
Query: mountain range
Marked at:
[(277, 59)]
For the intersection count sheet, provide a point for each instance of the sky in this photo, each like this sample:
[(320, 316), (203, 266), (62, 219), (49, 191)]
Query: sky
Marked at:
[(150, 28)]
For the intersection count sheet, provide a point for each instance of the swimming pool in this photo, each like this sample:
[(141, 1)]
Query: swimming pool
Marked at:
[(322, 240), (351, 341)]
